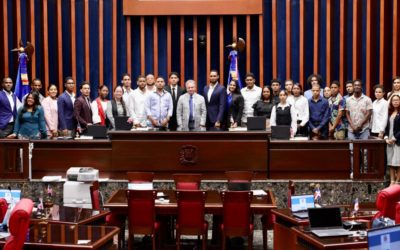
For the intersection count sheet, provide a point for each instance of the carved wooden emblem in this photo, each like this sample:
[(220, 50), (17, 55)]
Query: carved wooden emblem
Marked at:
[(188, 155)]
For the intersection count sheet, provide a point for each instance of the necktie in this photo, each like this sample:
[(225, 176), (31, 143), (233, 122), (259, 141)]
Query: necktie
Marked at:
[(191, 108), (173, 93)]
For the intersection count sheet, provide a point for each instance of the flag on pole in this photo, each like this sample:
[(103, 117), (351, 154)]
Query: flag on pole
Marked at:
[(233, 68), (317, 195), (356, 206), (22, 83)]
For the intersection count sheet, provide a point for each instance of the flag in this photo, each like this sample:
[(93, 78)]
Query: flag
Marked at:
[(22, 83), (356, 205), (49, 190), (233, 68), (317, 195)]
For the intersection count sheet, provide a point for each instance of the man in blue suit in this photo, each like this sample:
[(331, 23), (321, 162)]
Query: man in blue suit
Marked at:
[(9, 104), (65, 104), (215, 96)]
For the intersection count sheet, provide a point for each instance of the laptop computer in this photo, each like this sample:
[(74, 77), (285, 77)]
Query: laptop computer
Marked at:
[(97, 131), (326, 222), (256, 123), (384, 238), (300, 204), (280, 132), (121, 123)]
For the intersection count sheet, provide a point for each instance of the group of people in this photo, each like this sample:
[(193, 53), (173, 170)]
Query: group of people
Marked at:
[(317, 113)]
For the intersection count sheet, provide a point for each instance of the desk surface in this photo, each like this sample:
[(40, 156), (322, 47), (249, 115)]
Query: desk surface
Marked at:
[(344, 242), (71, 215), (66, 236), (213, 205)]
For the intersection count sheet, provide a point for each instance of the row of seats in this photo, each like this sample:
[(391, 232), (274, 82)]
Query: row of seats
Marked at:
[(191, 210)]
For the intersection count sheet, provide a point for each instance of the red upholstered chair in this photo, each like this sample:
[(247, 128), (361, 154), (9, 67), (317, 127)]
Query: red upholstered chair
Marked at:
[(386, 202), (3, 208), (239, 176), (237, 219), (191, 215), (398, 212), (187, 181), (141, 214), (18, 224)]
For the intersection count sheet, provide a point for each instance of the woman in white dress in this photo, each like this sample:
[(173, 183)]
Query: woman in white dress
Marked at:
[(392, 137)]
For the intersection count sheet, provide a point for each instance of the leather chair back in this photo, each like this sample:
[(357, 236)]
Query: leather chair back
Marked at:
[(187, 181), (386, 202), (3, 208)]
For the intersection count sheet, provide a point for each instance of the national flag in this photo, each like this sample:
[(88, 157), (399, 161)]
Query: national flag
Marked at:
[(22, 83), (233, 68), (317, 195)]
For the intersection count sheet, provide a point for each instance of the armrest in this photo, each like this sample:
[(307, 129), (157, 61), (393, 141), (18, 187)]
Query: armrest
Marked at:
[(397, 212)]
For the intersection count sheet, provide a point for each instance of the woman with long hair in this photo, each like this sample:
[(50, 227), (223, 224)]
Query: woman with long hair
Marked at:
[(395, 88), (235, 105), (50, 109), (263, 107), (284, 114), (30, 122), (392, 137), (300, 104), (117, 107)]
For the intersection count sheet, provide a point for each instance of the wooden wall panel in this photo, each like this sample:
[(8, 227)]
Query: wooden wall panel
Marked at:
[(395, 38), (316, 36), (328, 41), (182, 47), (261, 44), (356, 39), (45, 78), (301, 44), (101, 42), (221, 51), (342, 48), (32, 37), (248, 42), (73, 39), (208, 52), (59, 48), (195, 51)]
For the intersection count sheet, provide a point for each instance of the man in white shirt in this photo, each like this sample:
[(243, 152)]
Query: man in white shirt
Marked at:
[(9, 104), (127, 87), (150, 82), (138, 103), (380, 110), (251, 94), (99, 106)]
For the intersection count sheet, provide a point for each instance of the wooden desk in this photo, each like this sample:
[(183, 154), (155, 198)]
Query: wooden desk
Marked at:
[(208, 153), (284, 236), (64, 236), (213, 205), (14, 165), (307, 240), (72, 215)]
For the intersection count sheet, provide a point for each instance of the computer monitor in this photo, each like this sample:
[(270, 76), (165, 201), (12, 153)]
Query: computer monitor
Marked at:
[(385, 238), (302, 202)]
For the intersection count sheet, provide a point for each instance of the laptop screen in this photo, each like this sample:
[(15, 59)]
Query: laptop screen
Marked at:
[(302, 202), (387, 238), (325, 217)]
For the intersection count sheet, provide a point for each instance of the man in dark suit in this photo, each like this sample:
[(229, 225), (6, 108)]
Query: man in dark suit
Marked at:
[(176, 91), (65, 105), (82, 109), (215, 96), (9, 104)]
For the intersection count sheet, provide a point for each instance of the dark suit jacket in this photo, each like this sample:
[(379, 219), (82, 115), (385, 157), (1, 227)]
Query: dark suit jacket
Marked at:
[(65, 107), (236, 108), (82, 112), (216, 105), (5, 109), (396, 128), (172, 125)]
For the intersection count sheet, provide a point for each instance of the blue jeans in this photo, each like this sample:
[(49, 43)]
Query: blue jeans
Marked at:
[(358, 136)]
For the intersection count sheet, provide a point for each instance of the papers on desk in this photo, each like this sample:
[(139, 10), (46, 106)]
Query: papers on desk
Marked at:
[(49, 178), (84, 137), (83, 242), (162, 201), (299, 139), (259, 192), (140, 129), (238, 129)]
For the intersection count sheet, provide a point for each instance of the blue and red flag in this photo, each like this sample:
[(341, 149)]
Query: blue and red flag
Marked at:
[(22, 83), (233, 68)]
